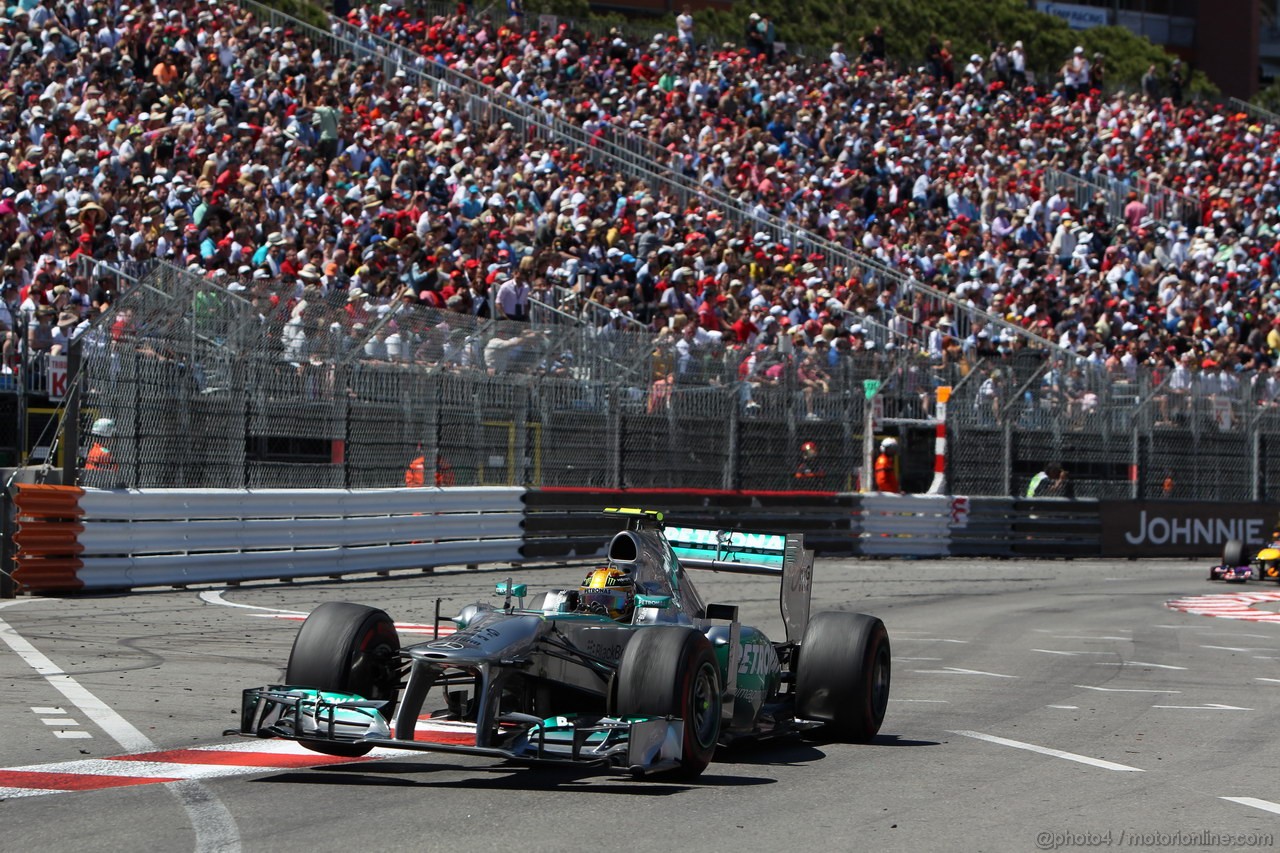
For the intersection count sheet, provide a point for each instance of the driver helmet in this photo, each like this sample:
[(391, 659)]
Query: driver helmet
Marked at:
[(889, 446), (104, 427), (608, 591), (809, 449)]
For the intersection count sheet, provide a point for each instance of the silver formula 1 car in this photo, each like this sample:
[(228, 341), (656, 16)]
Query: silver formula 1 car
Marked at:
[(579, 677)]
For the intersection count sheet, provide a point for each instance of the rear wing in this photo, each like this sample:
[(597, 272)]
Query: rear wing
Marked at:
[(736, 552)]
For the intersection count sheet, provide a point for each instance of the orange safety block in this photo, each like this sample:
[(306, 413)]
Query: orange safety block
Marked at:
[(36, 538), (48, 574), (43, 501), (48, 538)]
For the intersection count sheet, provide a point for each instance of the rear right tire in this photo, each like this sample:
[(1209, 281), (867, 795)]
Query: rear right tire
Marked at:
[(842, 676)]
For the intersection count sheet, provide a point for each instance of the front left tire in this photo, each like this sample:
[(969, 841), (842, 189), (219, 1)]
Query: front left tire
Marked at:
[(347, 648), (671, 671)]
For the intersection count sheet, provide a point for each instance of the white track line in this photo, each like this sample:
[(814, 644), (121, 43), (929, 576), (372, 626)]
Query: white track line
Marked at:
[(1123, 689), (121, 730), (214, 826), (930, 701), (1254, 803), (1055, 753), (214, 596), (1064, 707), (1209, 706), (1138, 663), (1080, 637), (1272, 680), (955, 670)]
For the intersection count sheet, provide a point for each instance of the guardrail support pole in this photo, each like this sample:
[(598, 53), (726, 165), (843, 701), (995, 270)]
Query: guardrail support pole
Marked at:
[(8, 589), (1255, 461), (71, 423)]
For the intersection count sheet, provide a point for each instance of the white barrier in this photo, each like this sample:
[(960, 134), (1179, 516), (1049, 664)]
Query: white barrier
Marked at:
[(905, 525), (181, 536)]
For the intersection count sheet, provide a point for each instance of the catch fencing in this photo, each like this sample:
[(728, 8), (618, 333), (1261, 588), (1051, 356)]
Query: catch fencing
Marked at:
[(209, 389)]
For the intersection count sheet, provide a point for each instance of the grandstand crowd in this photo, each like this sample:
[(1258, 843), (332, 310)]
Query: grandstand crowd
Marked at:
[(192, 133)]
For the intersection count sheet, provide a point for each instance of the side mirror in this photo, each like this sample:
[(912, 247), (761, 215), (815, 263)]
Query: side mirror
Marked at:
[(661, 602)]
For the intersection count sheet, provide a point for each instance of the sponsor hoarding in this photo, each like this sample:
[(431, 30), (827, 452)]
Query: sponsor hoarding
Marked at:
[(1077, 17), (1182, 529)]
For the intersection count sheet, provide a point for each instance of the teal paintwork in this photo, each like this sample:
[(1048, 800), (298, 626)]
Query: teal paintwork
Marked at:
[(759, 671)]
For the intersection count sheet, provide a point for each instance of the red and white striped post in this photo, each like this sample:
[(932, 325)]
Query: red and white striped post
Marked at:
[(939, 484)]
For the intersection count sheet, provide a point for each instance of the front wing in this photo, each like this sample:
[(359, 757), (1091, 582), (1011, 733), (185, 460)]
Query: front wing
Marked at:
[(1237, 574), (637, 744)]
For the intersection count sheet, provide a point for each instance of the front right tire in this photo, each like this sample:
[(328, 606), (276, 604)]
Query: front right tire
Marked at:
[(1233, 553)]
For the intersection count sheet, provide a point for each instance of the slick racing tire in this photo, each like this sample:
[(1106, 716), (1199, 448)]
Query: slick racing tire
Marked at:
[(346, 648), (842, 677), (1233, 553), (672, 671)]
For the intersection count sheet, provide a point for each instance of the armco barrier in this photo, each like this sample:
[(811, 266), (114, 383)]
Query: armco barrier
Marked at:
[(174, 537), (70, 539), (566, 522), (1012, 527), (905, 525)]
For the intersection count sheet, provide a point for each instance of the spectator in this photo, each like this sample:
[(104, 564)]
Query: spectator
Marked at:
[(1018, 66), (1075, 74), (684, 28), (1049, 483), (1151, 83)]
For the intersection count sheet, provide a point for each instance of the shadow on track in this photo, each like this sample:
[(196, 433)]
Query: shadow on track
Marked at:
[(391, 774)]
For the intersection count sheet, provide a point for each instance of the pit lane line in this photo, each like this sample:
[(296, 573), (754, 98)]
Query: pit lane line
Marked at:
[(215, 828)]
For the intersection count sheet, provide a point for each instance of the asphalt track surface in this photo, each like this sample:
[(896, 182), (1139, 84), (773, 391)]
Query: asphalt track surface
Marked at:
[(1036, 705)]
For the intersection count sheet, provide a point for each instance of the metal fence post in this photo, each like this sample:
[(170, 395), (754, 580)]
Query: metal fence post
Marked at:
[(731, 463), (71, 428), (1255, 459), (8, 589), (1137, 470), (1007, 462), (613, 418)]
